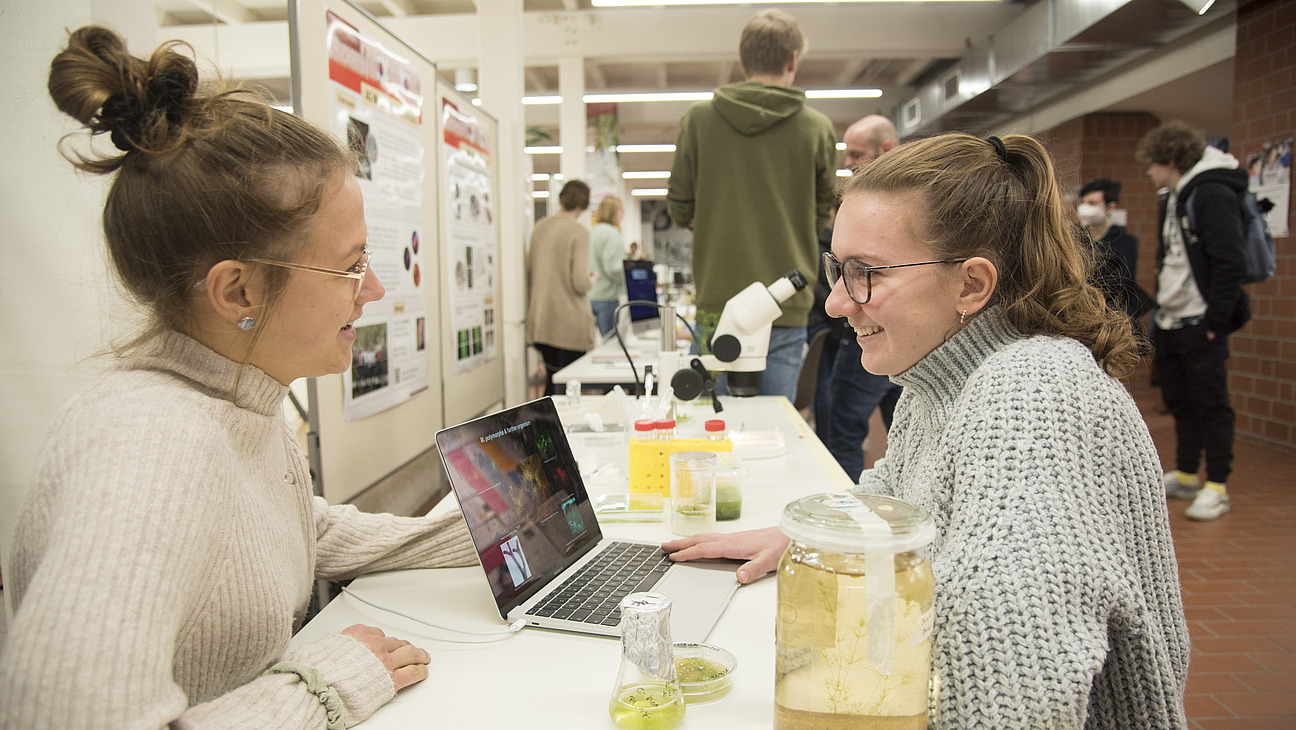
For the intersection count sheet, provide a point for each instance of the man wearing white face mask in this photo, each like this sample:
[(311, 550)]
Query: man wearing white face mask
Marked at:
[(1115, 250)]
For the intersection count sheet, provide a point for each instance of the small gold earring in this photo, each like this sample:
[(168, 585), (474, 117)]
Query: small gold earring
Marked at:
[(963, 316)]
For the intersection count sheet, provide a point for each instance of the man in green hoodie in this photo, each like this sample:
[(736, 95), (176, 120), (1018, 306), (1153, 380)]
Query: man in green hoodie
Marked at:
[(754, 176)]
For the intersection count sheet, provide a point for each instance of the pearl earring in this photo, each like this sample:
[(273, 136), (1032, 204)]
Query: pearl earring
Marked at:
[(963, 316), (246, 323)]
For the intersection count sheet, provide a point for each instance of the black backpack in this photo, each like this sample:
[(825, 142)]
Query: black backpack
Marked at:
[(1257, 241)]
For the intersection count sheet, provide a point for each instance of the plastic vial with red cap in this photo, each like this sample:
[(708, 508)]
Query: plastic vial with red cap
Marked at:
[(645, 429), (666, 429), (715, 429)]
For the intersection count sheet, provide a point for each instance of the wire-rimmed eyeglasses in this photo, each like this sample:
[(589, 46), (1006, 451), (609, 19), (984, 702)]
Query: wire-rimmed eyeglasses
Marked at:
[(356, 272), (860, 277)]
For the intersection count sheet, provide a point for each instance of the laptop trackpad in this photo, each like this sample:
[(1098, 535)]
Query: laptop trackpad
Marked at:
[(704, 586)]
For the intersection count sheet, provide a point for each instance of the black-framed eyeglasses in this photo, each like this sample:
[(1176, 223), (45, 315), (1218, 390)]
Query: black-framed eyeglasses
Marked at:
[(356, 272), (859, 278)]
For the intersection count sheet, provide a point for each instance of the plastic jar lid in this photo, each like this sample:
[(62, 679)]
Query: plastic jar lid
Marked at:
[(666, 423), (714, 424), (846, 522), (645, 424)]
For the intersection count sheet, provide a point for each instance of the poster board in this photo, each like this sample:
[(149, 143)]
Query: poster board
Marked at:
[(472, 365), (354, 77)]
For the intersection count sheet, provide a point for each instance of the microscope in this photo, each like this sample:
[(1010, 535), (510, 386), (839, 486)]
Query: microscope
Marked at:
[(739, 344)]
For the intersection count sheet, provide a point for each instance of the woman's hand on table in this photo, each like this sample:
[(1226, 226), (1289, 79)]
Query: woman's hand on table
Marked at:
[(760, 548), (406, 663)]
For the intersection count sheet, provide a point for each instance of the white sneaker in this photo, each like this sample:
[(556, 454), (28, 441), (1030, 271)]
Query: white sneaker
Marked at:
[(1209, 505), (1177, 489)]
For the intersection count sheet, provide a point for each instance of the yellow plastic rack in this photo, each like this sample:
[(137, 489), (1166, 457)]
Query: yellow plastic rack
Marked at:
[(650, 462)]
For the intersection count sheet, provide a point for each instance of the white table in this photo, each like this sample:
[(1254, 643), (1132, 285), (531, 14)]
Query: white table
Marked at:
[(606, 363), (543, 679)]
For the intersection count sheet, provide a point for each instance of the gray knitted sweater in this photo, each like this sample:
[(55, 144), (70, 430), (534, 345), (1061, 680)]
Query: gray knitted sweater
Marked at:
[(166, 555), (1057, 592)]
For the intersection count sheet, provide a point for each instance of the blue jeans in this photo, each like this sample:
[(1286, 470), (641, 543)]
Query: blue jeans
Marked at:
[(855, 393), (782, 362), (604, 314)]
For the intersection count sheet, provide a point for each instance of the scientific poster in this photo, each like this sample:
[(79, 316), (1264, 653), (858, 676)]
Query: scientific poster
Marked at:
[(1269, 166), (471, 254), (376, 105)]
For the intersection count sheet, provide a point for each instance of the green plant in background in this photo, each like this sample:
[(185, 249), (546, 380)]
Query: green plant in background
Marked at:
[(535, 135)]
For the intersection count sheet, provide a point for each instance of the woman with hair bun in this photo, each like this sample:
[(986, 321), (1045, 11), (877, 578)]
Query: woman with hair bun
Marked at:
[(167, 552), (1057, 592)]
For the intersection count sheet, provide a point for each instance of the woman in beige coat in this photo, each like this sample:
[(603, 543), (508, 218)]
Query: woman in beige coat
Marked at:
[(559, 321)]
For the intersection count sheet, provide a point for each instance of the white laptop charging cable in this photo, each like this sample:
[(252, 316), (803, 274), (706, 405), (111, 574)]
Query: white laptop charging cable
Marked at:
[(513, 628)]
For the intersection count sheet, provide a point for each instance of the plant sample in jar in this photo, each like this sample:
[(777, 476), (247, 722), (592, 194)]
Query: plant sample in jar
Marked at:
[(825, 673)]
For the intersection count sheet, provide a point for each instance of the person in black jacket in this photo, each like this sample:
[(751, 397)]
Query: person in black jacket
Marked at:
[(1200, 302), (1115, 250)]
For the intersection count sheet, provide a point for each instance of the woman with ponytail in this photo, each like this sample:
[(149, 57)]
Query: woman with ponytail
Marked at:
[(1057, 592), (168, 550)]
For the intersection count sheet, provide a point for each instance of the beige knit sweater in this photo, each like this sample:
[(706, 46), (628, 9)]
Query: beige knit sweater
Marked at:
[(166, 556)]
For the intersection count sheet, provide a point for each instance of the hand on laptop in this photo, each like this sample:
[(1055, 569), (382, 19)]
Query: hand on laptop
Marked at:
[(406, 663), (760, 548)]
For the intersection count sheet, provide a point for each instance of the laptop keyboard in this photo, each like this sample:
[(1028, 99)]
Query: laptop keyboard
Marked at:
[(593, 595)]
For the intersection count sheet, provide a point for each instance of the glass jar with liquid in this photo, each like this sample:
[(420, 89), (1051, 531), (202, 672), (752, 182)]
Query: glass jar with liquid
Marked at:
[(647, 693), (855, 614)]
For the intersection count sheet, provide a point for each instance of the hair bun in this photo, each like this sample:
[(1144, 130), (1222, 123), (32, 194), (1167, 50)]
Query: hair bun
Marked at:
[(128, 117)]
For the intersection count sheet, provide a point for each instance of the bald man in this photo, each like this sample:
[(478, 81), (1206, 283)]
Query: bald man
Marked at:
[(869, 138), (855, 392)]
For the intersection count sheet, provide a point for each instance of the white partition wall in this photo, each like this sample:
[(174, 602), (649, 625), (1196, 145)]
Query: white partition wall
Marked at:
[(356, 78), (57, 295)]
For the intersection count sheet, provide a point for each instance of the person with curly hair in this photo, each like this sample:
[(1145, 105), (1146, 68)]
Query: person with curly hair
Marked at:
[(1057, 592), (1201, 261)]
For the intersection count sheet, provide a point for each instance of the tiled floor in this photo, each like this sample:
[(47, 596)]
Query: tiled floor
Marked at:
[(1239, 588)]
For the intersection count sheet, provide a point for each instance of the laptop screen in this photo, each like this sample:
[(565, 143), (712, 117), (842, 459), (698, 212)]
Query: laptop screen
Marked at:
[(641, 284), (522, 496)]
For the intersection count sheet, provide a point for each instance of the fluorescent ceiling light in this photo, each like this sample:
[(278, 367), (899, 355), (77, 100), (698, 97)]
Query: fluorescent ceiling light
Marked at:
[(844, 173), (641, 3), (843, 93), (642, 192), (648, 96), (645, 148), (841, 146), (644, 96), (1198, 6), (539, 193), (646, 175), (557, 149)]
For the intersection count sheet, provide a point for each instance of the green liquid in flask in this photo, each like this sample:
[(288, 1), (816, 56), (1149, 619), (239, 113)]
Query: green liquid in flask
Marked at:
[(647, 707)]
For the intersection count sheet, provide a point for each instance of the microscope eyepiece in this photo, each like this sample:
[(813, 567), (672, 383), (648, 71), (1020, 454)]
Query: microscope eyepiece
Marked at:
[(797, 279)]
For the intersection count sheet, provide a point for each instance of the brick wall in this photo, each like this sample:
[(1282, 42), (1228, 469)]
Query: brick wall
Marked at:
[(1263, 366), (1263, 363)]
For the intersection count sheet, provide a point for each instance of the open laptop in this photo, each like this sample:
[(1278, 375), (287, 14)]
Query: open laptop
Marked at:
[(534, 527)]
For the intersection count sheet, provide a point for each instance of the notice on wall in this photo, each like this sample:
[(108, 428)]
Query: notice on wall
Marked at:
[(376, 105), (1269, 166), (471, 254)]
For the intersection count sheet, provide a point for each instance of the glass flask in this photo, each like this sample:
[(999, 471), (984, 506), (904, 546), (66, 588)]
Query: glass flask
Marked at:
[(855, 614), (647, 693)]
